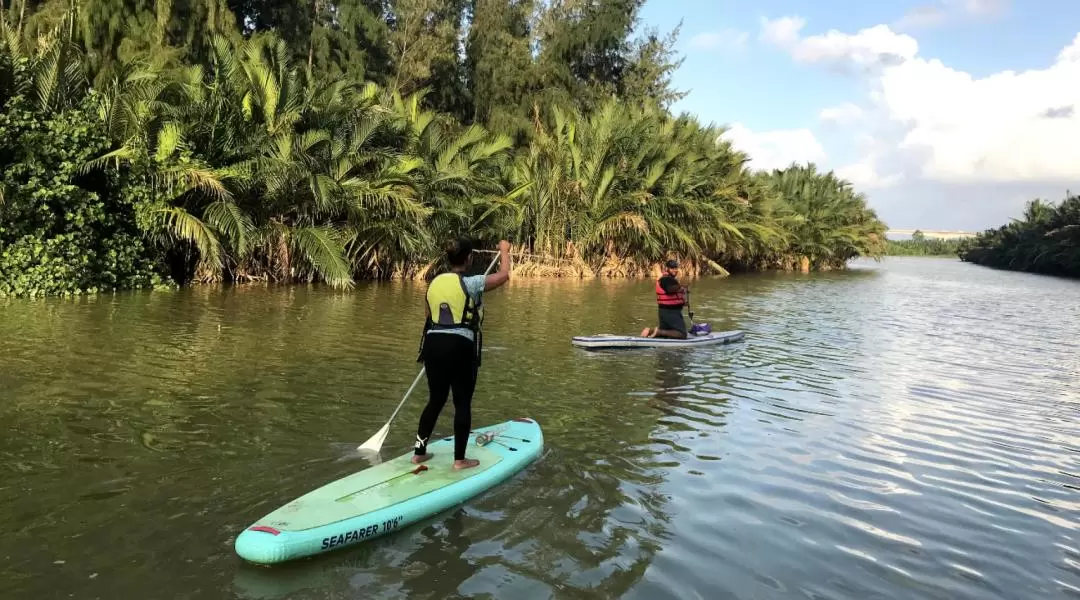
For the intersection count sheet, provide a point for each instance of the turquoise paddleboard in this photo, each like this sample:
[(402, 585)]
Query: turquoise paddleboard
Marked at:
[(388, 496)]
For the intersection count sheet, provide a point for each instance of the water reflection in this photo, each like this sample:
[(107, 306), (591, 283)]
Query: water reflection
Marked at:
[(906, 430)]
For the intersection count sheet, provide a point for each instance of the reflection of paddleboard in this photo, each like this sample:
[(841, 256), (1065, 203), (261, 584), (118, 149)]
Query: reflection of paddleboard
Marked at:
[(388, 496), (617, 341)]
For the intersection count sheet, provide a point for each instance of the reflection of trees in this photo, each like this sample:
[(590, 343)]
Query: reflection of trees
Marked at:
[(687, 382), (586, 519), (163, 370), (557, 527), (427, 561), (441, 562), (177, 415), (670, 377)]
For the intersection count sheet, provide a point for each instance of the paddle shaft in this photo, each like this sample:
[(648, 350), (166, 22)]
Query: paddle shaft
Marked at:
[(421, 373)]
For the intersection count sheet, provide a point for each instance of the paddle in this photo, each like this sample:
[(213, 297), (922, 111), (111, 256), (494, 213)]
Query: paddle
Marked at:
[(375, 442), (689, 310)]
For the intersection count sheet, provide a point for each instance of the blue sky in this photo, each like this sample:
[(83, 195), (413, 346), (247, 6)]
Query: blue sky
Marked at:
[(781, 83)]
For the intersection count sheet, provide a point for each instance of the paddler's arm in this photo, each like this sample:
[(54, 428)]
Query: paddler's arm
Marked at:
[(498, 279)]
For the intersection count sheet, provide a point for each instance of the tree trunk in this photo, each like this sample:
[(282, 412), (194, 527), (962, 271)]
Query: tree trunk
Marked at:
[(311, 36)]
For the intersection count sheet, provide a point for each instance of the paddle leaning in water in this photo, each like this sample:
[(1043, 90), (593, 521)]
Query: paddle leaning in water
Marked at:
[(375, 442)]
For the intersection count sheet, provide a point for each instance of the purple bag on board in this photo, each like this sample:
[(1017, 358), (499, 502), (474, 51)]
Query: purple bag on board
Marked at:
[(700, 329)]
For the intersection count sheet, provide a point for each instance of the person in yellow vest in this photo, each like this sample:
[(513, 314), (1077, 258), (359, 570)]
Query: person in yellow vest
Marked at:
[(451, 345)]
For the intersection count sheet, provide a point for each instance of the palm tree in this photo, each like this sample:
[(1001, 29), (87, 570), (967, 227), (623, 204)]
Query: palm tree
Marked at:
[(242, 166), (459, 175), (1045, 240), (830, 223)]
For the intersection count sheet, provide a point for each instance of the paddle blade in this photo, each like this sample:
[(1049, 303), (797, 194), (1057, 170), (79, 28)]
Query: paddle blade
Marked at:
[(375, 442)]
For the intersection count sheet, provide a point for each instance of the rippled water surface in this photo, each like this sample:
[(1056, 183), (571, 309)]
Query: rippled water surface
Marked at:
[(909, 429)]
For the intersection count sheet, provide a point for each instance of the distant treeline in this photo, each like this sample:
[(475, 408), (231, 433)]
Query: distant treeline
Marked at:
[(1046, 240), (920, 245)]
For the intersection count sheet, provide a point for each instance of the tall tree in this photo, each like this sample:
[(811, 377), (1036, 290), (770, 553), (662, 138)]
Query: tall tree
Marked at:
[(331, 38), (499, 63), (425, 49), (652, 62), (349, 38), (584, 48)]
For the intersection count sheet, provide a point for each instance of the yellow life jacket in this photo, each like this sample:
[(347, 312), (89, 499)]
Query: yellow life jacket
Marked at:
[(451, 306)]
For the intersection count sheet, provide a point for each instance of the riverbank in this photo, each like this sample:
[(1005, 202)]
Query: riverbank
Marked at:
[(523, 267), (1046, 240)]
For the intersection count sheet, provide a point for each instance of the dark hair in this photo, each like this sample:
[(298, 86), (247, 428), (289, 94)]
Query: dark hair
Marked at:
[(672, 264), (458, 251)]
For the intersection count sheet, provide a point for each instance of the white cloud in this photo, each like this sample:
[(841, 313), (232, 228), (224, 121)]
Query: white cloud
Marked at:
[(871, 47), (782, 32), (934, 122), (775, 149), (941, 11), (1009, 126), (983, 7), (842, 114), (926, 15), (865, 176), (728, 39), (877, 45), (1070, 53)]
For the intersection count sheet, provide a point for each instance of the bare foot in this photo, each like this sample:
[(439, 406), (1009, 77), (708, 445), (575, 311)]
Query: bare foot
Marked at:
[(645, 332), (468, 463), (419, 458), (654, 332)]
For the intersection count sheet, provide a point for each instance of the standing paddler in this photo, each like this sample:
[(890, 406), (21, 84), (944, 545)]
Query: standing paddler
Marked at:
[(451, 344)]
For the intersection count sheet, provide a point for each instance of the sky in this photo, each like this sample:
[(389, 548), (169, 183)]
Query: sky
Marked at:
[(946, 114)]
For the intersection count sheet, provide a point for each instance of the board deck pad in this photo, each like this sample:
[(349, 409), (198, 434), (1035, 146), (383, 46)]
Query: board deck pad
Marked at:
[(376, 488), (389, 496)]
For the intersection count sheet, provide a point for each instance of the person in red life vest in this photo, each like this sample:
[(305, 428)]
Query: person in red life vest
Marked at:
[(670, 298)]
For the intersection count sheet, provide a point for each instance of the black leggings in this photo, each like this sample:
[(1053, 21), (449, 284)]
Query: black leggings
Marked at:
[(450, 362)]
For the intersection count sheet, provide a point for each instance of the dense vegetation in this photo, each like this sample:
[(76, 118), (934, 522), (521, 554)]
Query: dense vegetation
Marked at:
[(1046, 240), (920, 245), (198, 140)]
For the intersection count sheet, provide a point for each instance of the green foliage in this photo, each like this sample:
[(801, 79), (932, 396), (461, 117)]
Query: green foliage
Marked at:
[(500, 73), (355, 137), (584, 49), (61, 233), (920, 245), (1046, 240), (829, 223), (653, 62)]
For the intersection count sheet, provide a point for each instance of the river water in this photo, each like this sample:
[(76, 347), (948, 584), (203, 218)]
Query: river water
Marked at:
[(908, 429)]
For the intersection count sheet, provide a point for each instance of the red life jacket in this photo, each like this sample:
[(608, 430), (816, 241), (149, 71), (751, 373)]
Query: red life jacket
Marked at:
[(667, 300)]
